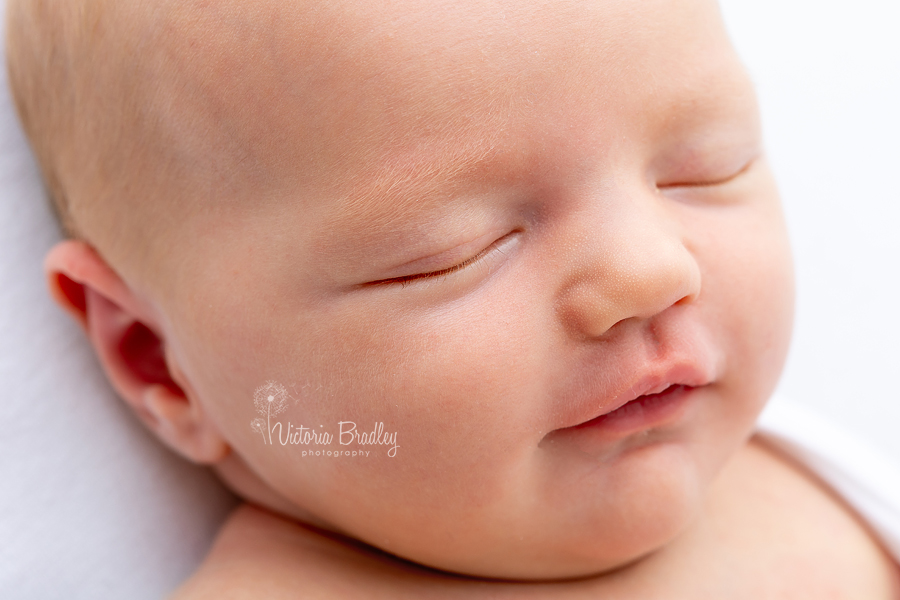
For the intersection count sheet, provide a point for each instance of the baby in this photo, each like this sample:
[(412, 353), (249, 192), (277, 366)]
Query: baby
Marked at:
[(464, 299)]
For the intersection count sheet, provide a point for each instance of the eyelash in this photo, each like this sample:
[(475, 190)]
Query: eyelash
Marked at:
[(409, 279), (712, 183)]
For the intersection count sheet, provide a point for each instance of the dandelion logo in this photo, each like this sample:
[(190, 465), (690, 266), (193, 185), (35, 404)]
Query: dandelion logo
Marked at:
[(259, 425), (270, 399)]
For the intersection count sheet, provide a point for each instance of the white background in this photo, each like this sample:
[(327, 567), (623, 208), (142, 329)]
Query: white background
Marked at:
[(828, 77)]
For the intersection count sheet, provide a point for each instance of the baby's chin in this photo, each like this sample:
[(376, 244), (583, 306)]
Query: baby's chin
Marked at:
[(646, 501), (645, 512)]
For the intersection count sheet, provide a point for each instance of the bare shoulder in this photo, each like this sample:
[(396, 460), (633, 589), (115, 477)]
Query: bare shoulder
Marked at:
[(800, 535), (250, 558), (258, 554)]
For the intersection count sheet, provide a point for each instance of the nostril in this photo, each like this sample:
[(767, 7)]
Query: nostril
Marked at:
[(687, 299), (638, 285)]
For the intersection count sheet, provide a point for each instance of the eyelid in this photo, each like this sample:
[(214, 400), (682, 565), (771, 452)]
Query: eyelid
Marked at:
[(405, 279), (713, 182)]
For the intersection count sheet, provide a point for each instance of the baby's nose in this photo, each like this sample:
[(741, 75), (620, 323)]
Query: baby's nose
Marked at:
[(634, 267)]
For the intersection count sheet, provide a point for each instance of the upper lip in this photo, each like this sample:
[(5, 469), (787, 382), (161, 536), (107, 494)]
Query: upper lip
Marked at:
[(659, 379)]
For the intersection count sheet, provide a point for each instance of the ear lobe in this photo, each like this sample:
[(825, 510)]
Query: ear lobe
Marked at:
[(183, 425), (131, 351)]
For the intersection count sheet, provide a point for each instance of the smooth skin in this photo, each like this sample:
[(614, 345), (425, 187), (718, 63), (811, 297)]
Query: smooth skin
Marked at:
[(478, 223), (743, 547)]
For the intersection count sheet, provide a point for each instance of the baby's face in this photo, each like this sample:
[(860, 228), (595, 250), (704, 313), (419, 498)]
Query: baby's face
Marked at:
[(485, 225)]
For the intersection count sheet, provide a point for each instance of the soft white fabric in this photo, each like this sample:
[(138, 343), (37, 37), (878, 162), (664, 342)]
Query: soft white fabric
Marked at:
[(90, 506), (855, 470)]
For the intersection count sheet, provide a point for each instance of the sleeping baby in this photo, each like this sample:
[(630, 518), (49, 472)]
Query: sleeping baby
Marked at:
[(473, 299)]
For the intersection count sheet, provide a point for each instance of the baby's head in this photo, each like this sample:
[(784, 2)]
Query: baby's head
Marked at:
[(498, 229)]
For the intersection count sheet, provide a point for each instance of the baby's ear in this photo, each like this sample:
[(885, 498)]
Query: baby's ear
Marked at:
[(132, 350)]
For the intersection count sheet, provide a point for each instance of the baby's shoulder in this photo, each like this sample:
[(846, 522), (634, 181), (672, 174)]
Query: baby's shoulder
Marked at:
[(771, 513), (255, 555), (258, 554)]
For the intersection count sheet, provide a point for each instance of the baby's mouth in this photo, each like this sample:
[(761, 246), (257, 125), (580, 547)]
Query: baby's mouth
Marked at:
[(644, 412), (656, 400), (641, 421)]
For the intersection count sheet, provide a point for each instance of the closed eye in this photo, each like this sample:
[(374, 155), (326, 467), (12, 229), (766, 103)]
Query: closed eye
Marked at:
[(700, 183), (497, 247)]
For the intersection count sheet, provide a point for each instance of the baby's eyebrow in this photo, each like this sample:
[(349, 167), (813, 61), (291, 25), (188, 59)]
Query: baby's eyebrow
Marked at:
[(405, 187)]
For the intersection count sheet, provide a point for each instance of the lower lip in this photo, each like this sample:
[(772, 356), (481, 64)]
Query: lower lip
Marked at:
[(642, 413)]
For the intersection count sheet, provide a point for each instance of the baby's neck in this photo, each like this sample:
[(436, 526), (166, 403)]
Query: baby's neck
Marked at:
[(767, 530)]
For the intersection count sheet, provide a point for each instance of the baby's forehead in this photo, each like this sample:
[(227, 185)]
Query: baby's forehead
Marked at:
[(355, 79), (367, 101)]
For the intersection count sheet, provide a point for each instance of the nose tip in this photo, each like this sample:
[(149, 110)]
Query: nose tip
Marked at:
[(638, 279)]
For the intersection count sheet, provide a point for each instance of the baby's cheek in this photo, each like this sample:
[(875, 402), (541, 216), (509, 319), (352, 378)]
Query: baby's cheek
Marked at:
[(459, 385), (748, 297), (766, 296), (460, 393)]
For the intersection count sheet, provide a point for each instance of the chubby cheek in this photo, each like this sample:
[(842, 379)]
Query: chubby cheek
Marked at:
[(749, 292), (457, 383)]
